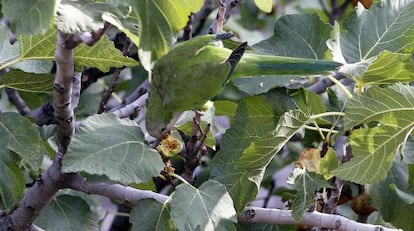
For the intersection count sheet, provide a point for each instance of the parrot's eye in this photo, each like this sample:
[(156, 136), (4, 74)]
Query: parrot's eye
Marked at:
[(163, 129)]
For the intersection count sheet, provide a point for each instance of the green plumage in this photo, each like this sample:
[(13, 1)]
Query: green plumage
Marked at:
[(196, 70)]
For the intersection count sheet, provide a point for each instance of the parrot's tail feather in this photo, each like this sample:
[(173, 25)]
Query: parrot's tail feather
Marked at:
[(234, 58)]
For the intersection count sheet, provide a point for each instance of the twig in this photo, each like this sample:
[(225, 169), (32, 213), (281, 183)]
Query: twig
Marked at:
[(202, 15), (115, 78), (225, 7), (188, 28), (15, 99), (133, 107)]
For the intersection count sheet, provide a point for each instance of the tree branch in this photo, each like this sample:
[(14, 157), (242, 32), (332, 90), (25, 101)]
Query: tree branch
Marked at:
[(114, 191), (115, 78), (249, 215), (35, 199), (132, 108), (225, 7), (62, 89), (17, 101), (314, 219)]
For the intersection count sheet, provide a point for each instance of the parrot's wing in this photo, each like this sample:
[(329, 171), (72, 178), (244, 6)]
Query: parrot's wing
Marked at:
[(234, 59)]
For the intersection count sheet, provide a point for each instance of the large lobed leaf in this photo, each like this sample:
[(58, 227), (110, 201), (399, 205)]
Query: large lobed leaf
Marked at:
[(149, 214), (102, 55), (153, 25), (208, 207), (108, 146), (250, 144), (18, 136), (389, 196), (12, 182), (31, 17), (366, 34), (305, 183), (385, 26), (374, 148), (67, 213), (22, 81)]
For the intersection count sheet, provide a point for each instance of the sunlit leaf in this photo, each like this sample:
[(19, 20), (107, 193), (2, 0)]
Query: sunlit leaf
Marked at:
[(22, 81), (264, 5), (249, 145), (374, 148)]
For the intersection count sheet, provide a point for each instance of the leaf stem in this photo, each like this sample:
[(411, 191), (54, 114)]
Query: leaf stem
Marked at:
[(178, 177), (331, 113), (340, 85), (320, 129)]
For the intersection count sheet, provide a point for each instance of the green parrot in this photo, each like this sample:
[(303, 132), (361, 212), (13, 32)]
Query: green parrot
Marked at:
[(195, 71)]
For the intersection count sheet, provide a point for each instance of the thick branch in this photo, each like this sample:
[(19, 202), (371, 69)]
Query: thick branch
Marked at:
[(250, 214), (314, 219), (62, 90), (133, 107), (35, 199), (114, 191)]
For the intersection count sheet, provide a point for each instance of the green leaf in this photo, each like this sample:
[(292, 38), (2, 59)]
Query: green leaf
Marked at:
[(309, 102), (328, 163), (22, 81), (67, 213), (264, 5), (12, 182), (302, 36), (149, 214), (404, 196), (366, 33), (108, 146), (75, 16), (374, 148), (385, 27), (207, 208), (250, 144), (158, 22), (389, 68), (29, 18), (21, 136), (8, 52), (40, 46), (306, 183), (34, 66), (389, 204), (102, 55)]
